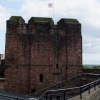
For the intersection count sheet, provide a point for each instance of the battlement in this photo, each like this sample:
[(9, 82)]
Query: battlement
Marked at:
[(17, 25)]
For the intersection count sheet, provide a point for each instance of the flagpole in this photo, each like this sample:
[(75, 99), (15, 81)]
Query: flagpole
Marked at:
[(53, 9), (52, 5)]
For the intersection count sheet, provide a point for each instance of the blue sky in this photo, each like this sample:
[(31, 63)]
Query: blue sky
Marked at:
[(87, 12)]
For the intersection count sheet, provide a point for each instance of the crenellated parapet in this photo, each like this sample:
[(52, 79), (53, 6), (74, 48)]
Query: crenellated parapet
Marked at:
[(40, 25), (37, 25), (15, 24), (70, 26)]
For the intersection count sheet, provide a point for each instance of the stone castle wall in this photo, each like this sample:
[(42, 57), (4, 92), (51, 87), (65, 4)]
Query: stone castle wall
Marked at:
[(39, 53)]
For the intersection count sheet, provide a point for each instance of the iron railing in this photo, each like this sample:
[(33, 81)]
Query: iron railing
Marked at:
[(60, 94), (96, 71), (63, 94), (75, 81)]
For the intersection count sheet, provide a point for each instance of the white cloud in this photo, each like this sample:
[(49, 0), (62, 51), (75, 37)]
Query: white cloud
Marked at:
[(14, 0), (91, 59), (91, 45), (34, 8), (87, 45), (4, 15)]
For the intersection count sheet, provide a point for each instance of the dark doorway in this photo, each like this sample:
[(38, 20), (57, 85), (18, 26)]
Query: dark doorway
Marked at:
[(33, 90)]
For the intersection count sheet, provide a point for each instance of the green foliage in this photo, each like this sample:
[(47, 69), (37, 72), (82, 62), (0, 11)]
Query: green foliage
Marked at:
[(85, 67), (91, 67), (96, 67)]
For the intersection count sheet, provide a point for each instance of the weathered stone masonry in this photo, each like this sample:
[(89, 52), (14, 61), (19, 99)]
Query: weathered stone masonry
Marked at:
[(39, 53)]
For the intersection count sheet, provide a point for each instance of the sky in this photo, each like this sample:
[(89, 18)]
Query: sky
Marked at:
[(87, 12)]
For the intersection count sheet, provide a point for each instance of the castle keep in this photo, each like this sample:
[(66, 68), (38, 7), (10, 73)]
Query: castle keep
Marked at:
[(39, 53)]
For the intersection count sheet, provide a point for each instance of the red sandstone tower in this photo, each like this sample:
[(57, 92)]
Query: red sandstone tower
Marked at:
[(39, 53)]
